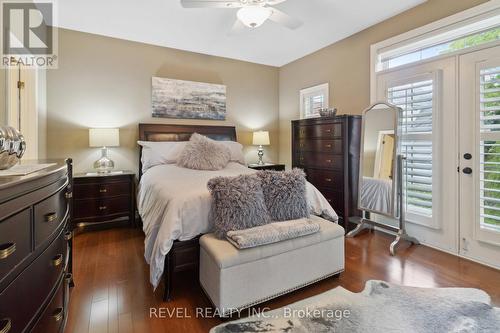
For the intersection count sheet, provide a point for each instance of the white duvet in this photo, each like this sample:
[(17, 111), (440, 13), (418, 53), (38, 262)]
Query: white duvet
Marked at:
[(174, 204), (376, 194)]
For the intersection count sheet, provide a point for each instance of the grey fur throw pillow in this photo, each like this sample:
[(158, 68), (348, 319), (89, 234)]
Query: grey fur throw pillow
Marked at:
[(285, 194), (202, 153), (237, 203)]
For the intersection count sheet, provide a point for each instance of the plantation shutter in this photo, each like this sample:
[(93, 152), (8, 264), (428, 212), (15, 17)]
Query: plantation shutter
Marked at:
[(415, 127), (489, 148), (313, 102)]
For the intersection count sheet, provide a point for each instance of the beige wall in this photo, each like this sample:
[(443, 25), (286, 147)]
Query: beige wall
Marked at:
[(345, 65), (106, 82)]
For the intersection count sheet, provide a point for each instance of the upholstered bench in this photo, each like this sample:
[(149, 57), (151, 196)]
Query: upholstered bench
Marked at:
[(236, 279)]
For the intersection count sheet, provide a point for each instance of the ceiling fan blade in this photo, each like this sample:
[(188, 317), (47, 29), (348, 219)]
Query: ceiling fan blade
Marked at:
[(211, 3), (237, 28), (284, 19), (274, 2)]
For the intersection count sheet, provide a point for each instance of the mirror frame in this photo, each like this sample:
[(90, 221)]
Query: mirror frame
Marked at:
[(394, 213)]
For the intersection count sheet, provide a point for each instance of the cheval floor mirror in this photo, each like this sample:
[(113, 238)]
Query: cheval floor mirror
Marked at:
[(381, 176)]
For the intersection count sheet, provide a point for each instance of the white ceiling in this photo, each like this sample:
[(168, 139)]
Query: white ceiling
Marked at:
[(166, 23)]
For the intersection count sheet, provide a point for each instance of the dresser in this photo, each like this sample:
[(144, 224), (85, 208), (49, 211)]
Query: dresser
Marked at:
[(36, 249), (328, 150), (104, 199)]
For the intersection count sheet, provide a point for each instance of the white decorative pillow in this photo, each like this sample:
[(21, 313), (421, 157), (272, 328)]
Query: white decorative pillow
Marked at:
[(157, 153), (202, 153), (236, 150)]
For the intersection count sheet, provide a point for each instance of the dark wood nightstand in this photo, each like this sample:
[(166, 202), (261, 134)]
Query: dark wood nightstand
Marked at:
[(267, 166), (103, 199)]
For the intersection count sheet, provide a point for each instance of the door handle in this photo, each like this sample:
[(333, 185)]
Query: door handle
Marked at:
[(467, 156), (467, 171)]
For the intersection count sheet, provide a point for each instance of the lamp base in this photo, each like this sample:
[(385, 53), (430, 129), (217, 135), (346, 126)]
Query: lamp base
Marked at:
[(104, 164), (261, 154)]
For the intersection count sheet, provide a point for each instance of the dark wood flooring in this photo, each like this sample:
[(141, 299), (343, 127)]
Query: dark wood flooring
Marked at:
[(113, 293)]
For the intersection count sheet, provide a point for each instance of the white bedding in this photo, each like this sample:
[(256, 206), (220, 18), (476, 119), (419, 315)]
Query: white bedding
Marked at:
[(376, 194), (174, 204)]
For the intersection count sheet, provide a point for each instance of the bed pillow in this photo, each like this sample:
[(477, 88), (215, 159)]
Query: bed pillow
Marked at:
[(157, 153), (285, 194), (237, 203), (236, 150), (202, 153)]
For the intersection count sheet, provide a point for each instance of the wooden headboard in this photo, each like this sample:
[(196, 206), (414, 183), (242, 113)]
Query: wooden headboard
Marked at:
[(167, 132)]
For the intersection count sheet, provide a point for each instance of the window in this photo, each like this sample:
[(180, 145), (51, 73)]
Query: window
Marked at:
[(415, 128), (312, 100), (473, 32), (489, 148)]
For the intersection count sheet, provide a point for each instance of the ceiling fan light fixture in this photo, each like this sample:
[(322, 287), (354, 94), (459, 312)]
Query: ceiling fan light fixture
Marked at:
[(253, 16)]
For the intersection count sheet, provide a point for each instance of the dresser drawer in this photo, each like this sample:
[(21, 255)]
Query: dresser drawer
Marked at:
[(324, 178), (101, 190), (49, 215), (335, 199), (90, 208), (53, 317), (26, 294), (320, 146), (323, 131), (15, 241), (323, 161)]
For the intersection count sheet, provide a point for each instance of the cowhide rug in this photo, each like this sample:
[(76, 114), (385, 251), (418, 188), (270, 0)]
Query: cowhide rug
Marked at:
[(380, 307)]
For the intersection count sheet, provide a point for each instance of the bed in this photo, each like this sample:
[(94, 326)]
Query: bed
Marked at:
[(174, 203)]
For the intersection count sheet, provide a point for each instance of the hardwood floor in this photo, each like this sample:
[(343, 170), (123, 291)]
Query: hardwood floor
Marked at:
[(113, 294)]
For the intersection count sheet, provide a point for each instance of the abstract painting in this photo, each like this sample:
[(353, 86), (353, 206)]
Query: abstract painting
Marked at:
[(188, 99)]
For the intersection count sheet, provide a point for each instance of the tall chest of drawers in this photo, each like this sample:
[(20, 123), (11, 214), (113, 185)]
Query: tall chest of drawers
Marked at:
[(35, 250), (328, 150)]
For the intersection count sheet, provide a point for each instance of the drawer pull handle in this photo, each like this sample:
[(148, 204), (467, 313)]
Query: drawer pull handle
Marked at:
[(102, 207), (51, 217), (68, 195), (68, 235), (328, 130), (328, 146), (5, 325), (328, 180), (58, 314), (57, 260), (328, 161), (6, 250), (103, 190)]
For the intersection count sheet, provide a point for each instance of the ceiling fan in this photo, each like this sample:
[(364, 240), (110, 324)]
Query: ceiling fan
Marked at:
[(251, 13)]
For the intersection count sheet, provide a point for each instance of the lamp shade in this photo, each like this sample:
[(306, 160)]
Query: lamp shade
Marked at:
[(261, 138), (104, 137)]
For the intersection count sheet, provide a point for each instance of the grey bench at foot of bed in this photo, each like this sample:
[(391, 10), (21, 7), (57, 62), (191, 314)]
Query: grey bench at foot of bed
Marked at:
[(236, 279)]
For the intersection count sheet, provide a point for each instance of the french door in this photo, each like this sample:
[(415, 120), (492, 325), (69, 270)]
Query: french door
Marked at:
[(480, 155), (427, 95)]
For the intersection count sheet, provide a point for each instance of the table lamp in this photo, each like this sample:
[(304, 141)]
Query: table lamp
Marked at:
[(104, 138), (261, 138)]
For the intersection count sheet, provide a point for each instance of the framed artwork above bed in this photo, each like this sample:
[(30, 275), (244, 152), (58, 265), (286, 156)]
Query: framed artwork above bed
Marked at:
[(188, 99)]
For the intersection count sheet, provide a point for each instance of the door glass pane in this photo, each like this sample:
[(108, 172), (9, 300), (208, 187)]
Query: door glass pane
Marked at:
[(489, 148), (416, 124)]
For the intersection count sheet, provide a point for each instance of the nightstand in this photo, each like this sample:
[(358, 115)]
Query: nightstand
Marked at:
[(103, 199), (267, 166)]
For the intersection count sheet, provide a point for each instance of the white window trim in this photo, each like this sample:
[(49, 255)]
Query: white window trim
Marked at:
[(416, 34), (321, 88)]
